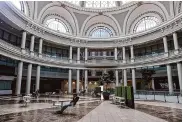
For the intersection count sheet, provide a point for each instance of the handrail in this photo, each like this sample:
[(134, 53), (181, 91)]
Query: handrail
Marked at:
[(44, 57)]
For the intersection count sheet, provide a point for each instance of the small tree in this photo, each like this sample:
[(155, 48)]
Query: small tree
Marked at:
[(107, 78), (147, 76)]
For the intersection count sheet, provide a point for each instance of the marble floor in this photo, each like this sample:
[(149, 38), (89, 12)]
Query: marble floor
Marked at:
[(107, 112), (88, 109)]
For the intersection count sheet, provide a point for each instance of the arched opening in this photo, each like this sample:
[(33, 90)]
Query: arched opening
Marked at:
[(100, 32), (146, 23), (57, 25)]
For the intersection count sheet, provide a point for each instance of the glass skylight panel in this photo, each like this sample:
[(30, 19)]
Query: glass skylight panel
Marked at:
[(100, 4), (74, 2)]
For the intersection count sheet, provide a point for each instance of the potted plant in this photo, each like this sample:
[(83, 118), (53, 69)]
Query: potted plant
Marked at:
[(107, 78)]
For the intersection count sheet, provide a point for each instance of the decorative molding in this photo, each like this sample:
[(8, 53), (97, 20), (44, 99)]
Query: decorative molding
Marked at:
[(95, 10)]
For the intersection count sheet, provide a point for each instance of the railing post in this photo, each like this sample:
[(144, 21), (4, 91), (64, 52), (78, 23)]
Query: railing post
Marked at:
[(177, 98), (164, 97)]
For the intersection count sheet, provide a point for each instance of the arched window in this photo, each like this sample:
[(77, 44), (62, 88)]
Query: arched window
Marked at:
[(100, 4), (57, 25), (18, 4), (101, 32), (146, 23)]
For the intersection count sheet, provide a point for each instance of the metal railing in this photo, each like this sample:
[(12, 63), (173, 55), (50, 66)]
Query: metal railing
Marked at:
[(17, 51), (165, 96)]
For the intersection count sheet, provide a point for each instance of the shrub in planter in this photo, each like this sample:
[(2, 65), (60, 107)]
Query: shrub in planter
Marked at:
[(106, 95)]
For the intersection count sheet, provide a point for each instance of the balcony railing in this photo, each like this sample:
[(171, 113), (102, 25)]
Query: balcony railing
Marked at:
[(164, 96), (44, 57)]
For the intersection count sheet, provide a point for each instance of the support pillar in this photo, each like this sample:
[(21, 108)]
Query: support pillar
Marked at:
[(170, 83), (78, 55), (175, 40), (153, 87), (124, 55), (133, 80), (117, 78), (28, 83), (179, 69), (132, 53), (125, 77), (40, 46), (19, 78), (38, 77), (70, 82), (86, 54), (77, 82), (23, 41), (70, 54), (115, 54), (32, 44), (86, 81)]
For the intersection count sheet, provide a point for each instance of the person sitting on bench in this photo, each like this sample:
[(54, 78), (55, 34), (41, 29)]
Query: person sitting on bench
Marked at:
[(72, 103)]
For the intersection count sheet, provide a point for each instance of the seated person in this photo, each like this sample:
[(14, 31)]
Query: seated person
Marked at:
[(72, 103), (36, 93)]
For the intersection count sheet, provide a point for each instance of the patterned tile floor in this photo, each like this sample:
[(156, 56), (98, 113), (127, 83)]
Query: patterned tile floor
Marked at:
[(88, 110)]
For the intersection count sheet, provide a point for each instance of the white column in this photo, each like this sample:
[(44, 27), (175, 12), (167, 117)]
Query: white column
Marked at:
[(28, 82), (19, 78), (132, 53), (70, 54), (32, 44), (169, 74), (23, 41), (115, 54), (70, 81), (175, 40), (124, 55), (77, 82), (179, 69), (165, 44), (133, 80), (125, 77), (40, 46), (117, 78), (86, 54), (153, 87), (78, 55), (38, 77), (86, 81)]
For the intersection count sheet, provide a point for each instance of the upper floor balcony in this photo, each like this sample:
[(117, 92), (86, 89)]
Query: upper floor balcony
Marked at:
[(17, 53)]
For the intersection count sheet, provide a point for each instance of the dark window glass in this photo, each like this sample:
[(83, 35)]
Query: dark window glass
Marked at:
[(6, 36)]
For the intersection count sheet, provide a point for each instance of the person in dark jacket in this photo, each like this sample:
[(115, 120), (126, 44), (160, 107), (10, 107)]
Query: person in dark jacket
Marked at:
[(72, 103)]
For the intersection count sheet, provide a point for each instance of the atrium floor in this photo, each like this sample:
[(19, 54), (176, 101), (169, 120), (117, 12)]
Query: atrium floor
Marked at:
[(88, 110)]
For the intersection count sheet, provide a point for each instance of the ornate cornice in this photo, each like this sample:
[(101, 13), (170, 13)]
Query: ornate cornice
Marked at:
[(38, 30)]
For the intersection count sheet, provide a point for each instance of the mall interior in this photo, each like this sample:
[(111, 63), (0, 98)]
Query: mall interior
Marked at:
[(54, 49)]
